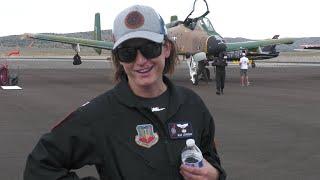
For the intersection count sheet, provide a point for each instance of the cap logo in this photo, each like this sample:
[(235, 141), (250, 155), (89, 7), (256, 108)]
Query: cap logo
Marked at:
[(134, 20)]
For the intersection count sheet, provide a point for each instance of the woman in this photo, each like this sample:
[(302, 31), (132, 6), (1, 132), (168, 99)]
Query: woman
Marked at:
[(132, 131)]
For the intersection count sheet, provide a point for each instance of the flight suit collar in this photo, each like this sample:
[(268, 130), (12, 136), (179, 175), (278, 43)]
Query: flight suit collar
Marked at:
[(125, 95)]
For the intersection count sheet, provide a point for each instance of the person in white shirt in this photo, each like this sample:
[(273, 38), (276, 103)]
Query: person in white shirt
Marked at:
[(244, 64)]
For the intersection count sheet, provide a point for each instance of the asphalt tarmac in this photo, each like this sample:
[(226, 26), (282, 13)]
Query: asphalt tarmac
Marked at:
[(268, 130)]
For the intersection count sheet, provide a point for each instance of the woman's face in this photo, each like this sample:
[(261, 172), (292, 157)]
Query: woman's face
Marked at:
[(143, 72)]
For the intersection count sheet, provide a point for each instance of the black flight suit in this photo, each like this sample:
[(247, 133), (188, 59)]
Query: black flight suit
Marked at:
[(103, 133), (220, 64)]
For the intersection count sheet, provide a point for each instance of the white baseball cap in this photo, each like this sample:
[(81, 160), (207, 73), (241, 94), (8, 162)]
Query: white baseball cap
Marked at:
[(138, 21)]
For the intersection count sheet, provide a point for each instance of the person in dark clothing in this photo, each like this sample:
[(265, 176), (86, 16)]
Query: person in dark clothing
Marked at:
[(132, 131), (220, 64)]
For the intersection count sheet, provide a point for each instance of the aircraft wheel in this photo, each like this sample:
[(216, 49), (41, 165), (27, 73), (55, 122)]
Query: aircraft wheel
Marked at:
[(196, 80), (14, 79), (76, 59), (253, 64), (207, 73)]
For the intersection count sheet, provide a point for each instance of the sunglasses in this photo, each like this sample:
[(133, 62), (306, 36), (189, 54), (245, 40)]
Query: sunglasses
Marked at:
[(129, 54)]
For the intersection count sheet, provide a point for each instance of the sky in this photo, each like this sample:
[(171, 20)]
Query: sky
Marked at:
[(253, 19)]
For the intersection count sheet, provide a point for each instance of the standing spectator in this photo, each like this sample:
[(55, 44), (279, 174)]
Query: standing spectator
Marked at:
[(220, 64), (244, 64)]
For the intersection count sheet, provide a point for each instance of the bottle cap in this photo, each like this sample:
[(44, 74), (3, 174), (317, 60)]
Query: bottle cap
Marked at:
[(190, 142)]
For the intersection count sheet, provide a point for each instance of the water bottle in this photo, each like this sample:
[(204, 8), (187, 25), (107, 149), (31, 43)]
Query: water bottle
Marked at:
[(191, 154)]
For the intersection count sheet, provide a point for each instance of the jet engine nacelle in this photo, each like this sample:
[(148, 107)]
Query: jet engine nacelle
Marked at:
[(216, 45)]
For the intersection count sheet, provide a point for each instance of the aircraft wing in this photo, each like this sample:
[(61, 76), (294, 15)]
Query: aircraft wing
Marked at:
[(252, 45), (73, 41)]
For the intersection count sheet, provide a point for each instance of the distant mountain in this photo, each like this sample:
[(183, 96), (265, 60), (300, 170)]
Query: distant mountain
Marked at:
[(16, 41)]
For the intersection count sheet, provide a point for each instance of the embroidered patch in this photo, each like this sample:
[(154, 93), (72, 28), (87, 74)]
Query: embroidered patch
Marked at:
[(157, 109), (180, 130), (134, 20), (146, 136)]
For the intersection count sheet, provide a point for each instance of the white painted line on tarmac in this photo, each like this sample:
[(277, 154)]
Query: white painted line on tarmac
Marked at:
[(11, 87)]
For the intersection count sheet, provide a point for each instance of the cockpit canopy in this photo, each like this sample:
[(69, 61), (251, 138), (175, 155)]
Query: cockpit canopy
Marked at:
[(206, 25)]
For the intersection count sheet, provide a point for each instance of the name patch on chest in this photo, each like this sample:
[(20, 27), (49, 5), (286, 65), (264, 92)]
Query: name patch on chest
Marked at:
[(180, 130)]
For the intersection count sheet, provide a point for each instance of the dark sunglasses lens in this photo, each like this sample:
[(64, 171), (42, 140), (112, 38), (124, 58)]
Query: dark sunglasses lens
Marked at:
[(126, 54), (151, 50)]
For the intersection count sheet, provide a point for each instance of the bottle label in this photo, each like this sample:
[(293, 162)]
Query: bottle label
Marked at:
[(198, 164)]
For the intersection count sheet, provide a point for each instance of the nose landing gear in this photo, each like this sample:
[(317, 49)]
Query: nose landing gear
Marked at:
[(77, 59)]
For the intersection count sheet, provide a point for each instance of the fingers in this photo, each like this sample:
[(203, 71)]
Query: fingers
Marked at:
[(191, 170), (203, 173), (189, 176)]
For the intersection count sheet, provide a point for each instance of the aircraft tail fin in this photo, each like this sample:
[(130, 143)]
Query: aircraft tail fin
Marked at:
[(97, 31), (173, 18)]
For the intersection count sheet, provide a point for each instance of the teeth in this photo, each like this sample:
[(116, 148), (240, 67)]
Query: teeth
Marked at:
[(144, 70)]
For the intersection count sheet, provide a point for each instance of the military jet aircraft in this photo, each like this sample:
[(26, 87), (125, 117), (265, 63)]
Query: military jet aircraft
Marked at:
[(266, 52), (191, 36), (311, 46)]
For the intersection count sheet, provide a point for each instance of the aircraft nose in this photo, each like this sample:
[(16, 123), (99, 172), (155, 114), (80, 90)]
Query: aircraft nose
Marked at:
[(215, 45)]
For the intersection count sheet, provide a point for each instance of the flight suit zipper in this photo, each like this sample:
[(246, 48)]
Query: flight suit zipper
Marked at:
[(146, 112)]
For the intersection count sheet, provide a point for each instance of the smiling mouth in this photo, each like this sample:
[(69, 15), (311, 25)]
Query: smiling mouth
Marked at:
[(145, 70)]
